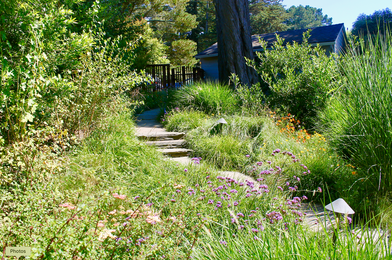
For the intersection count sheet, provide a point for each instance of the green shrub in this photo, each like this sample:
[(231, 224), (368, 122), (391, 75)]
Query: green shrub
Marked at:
[(209, 97), (358, 118), (251, 99), (299, 77)]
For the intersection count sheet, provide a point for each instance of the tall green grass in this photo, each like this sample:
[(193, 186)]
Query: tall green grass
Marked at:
[(209, 97), (359, 116)]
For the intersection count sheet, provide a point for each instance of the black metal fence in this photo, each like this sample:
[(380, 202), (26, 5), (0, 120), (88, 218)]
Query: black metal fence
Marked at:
[(166, 77)]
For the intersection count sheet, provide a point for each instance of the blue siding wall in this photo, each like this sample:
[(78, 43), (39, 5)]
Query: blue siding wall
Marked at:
[(210, 67)]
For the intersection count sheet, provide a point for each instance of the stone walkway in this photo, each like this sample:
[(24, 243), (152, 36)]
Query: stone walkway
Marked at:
[(169, 143), (172, 144)]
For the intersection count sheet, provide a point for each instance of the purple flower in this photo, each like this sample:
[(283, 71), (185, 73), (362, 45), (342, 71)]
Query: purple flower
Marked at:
[(185, 170), (239, 214), (247, 155), (210, 202), (235, 203), (319, 189), (280, 188), (223, 242), (259, 163), (173, 200), (292, 189), (255, 230), (349, 220), (135, 198), (233, 191)]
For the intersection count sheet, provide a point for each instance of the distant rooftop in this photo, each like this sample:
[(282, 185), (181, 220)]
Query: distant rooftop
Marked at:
[(318, 35)]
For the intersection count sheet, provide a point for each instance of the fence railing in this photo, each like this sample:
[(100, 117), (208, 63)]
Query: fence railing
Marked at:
[(166, 77)]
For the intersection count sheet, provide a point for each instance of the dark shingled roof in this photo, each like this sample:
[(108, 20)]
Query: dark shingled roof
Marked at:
[(321, 34)]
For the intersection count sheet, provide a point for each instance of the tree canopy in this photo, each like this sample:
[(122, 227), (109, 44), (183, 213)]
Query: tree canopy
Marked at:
[(267, 16), (302, 17), (204, 34), (372, 24)]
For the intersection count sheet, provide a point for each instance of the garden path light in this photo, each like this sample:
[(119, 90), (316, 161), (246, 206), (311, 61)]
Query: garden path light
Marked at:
[(218, 126), (339, 206)]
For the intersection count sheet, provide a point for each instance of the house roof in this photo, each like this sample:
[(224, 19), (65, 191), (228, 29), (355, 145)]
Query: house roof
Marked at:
[(324, 35)]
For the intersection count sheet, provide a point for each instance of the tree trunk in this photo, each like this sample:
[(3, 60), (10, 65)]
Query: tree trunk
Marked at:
[(234, 40)]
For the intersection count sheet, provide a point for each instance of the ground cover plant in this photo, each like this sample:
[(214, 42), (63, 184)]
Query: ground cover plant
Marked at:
[(249, 137)]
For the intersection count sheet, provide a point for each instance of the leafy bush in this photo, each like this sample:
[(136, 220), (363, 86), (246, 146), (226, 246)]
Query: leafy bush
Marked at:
[(251, 99), (209, 97), (61, 78), (358, 118), (300, 77)]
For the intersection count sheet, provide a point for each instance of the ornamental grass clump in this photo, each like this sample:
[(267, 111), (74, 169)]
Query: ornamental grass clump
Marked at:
[(358, 118), (209, 97)]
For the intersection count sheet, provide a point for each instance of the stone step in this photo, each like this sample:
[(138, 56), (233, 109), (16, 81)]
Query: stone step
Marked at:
[(182, 160), (177, 152), (157, 136), (167, 143)]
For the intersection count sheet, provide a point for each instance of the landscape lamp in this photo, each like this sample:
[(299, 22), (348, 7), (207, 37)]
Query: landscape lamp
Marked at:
[(341, 207)]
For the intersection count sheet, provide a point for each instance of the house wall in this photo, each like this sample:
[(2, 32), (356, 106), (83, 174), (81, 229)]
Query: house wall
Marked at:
[(328, 49), (210, 67), (340, 42)]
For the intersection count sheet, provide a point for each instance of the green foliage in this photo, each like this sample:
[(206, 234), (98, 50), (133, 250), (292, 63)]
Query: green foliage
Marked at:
[(184, 121), (205, 32), (209, 97), (358, 116), (299, 77), (182, 53), (252, 99), (267, 16), (301, 17), (227, 149), (117, 198), (372, 24), (59, 77), (289, 242)]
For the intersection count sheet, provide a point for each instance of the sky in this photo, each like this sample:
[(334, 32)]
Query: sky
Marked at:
[(343, 11)]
